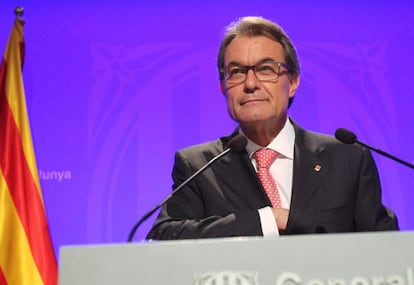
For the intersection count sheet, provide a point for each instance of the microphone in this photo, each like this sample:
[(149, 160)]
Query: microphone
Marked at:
[(236, 144), (349, 137)]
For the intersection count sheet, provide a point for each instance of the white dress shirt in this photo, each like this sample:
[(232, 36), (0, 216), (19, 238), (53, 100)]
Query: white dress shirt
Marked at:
[(281, 171)]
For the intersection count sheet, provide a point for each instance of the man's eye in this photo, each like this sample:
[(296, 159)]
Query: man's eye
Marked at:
[(236, 70), (266, 68)]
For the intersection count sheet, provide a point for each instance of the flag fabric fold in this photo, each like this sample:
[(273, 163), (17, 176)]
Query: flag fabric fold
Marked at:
[(26, 250)]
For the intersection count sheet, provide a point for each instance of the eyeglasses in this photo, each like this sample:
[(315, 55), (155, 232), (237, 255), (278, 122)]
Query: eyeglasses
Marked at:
[(266, 71)]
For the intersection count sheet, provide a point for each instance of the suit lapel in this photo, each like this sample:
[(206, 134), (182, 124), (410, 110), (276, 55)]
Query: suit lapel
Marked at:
[(310, 165), (236, 172)]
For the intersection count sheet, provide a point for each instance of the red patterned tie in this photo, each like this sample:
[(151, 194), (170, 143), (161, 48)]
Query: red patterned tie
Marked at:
[(264, 158)]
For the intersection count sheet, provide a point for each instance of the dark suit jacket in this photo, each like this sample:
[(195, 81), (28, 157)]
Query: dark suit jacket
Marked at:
[(335, 189)]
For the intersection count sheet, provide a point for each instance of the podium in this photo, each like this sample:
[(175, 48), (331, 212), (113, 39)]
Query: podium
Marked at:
[(380, 258)]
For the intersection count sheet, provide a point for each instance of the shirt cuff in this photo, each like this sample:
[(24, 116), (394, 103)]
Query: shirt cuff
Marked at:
[(268, 222)]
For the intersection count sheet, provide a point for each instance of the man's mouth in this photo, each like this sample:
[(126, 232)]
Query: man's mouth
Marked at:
[(256, 100)]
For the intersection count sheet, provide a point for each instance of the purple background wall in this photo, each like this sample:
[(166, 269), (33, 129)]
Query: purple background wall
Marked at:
[(110, 82)]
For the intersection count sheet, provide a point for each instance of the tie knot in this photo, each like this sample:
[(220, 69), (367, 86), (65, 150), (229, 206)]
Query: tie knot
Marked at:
[(265, 157)]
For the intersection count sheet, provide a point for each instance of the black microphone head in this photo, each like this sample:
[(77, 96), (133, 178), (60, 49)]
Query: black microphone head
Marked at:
[(345, 136), (238, 143)]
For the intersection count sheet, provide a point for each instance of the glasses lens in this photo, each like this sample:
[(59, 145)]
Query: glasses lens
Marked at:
[(235, 74), (268, 71)]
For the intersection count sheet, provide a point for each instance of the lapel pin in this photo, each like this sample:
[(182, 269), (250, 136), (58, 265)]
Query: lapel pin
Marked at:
[(317, 168)]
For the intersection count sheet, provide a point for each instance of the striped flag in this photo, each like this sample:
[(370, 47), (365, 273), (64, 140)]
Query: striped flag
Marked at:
[(26, 252)]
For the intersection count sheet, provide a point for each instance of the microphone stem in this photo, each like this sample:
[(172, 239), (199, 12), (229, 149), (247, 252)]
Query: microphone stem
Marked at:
[(165, 200), (386, 154)]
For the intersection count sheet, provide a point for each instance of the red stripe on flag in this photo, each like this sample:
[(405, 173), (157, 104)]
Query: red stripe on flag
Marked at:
[(2, 278), (23, 188)]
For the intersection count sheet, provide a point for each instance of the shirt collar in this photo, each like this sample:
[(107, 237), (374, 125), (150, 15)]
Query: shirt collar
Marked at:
[(283, 143)]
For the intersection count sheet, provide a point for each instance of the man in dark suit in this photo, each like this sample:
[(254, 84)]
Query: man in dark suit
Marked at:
[(313, 183)]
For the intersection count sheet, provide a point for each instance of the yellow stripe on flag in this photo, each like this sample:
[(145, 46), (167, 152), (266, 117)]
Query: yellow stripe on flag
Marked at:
[(16, 260)]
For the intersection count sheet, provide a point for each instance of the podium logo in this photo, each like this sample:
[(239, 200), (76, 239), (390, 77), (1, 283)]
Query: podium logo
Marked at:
[(226, 278)]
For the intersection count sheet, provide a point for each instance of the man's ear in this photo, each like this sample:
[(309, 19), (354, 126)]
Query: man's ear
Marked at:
[(222, 88), (294, 84)]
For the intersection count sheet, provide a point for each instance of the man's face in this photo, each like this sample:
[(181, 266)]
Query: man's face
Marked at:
[(253, 101)]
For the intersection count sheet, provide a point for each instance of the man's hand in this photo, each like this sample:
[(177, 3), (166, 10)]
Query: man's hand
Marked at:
[(281, 218)]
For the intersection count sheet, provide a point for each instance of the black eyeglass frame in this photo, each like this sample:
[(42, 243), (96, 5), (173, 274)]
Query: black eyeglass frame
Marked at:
[(245, 69)]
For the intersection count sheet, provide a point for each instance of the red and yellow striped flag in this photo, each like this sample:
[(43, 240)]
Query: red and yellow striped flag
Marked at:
[(26, 251)]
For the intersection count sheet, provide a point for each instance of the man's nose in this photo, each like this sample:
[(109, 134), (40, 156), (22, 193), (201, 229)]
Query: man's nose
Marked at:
[(251, 82)]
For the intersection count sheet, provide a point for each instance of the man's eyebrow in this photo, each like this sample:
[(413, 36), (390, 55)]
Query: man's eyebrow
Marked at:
[(264, 60), (234, 63)]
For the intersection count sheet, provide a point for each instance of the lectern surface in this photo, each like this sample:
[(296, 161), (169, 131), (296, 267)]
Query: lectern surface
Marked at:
[(335, 259)]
